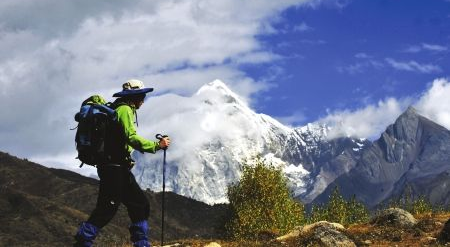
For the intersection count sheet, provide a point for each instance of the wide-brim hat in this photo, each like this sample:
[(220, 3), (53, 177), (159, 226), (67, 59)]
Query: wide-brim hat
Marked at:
[(133, 87)]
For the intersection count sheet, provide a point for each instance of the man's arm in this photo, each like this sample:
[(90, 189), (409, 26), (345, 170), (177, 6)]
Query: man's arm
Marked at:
[(126, 118)]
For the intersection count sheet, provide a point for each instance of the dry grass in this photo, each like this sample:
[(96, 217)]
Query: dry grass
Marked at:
[(423, 234)]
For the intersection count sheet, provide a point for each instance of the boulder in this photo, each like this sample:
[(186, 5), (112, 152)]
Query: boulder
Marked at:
[(394, 217), (321, 233), (327, 224), (444, 236)]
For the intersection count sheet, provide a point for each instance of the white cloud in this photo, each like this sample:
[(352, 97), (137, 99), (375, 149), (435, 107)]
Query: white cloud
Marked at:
[(313, 42), (339, 4), (372, 120), (413, 49), (360, 67), (366, 62), (436, 48), (425, 47), (302, 27), (366, 122), (256, 57), (292, 120), (413, 66), (435, 103), (53, 54), (362, 55), (352, 69)]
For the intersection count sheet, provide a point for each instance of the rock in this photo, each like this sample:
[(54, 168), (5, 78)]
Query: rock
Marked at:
[(430, 240), (444, 236), (394, 217), (323, 223), (324, 234), (212, 244), (292, 234), (368, 242), (304, 229), (171, 245)]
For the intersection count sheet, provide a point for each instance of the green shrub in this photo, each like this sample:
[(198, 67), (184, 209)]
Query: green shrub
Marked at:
[(261, 202), (414, 204), (358, 212), (339, 210)]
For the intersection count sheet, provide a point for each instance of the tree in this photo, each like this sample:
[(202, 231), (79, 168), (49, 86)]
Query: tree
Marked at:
[(337, 207), (261, 202), (358, 212), (339, 210)]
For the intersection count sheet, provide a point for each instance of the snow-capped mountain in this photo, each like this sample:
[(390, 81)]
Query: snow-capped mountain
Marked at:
[(214, 131)]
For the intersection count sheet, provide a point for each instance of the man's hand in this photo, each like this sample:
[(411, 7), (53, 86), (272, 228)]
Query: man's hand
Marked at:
[(164, 142)]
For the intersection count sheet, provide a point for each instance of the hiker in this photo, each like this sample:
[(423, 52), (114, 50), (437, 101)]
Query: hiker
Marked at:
[(117, 183)]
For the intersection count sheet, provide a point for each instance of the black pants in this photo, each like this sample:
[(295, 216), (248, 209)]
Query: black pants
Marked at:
[(118, 185)]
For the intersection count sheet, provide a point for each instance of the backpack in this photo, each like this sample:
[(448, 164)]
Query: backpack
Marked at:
[(93, 119)]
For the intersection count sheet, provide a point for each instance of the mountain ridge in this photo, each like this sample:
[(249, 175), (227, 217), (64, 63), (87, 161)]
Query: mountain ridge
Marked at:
[(411, 149), (224, 132), (42, 206)]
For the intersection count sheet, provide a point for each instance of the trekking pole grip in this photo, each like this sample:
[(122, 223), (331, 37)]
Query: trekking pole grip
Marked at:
[(160, 137)]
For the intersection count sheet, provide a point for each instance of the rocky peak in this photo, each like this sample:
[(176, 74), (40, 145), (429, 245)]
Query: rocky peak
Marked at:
[(217, 92), (413, 151), (405, 127)]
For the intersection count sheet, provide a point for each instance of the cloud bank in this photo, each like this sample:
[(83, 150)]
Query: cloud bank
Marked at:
[(372, 120), (53, 54), (435, 103)]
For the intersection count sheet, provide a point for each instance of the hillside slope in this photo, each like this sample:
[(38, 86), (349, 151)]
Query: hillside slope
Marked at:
[(40, 206)]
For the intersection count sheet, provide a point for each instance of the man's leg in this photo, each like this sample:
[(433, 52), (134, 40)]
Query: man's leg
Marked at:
[(108, 201), (138, 210)]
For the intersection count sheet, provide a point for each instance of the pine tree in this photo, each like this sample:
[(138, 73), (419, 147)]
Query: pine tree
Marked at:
[(337, 207), (357, 212)]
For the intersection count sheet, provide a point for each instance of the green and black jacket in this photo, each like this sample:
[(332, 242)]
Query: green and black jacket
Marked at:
[(122, 137)]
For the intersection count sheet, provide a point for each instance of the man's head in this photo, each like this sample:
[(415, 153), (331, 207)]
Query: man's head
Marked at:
[(134, 92), (136, 100)]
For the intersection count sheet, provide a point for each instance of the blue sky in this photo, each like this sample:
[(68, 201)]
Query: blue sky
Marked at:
[(352, 64), (350, 56)]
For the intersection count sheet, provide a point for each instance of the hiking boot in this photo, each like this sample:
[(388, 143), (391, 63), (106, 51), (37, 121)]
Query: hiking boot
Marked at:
[(85, 235), (139, 234)]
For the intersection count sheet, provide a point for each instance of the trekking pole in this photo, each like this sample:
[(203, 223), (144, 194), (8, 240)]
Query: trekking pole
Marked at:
[(159, 137)]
